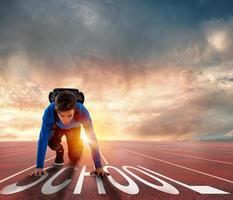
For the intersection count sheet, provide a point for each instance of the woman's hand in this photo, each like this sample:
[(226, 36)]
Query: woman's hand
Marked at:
[(38, 172), (99, 172)]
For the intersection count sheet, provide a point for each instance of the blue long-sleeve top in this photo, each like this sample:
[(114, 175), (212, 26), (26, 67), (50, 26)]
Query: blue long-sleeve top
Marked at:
[(83, 118)]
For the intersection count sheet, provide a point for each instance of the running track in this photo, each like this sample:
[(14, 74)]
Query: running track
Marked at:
[(155, 170)]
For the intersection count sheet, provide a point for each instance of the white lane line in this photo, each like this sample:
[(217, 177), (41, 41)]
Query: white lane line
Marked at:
[(187, 168), (197, 157), (20, 172), (106, 162)]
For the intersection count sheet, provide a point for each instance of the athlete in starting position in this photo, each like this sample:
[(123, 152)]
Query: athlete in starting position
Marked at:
[(64, 117)]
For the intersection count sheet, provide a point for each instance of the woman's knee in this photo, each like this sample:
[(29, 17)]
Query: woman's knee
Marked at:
[(75, 156), (55, 139), (53, 145)]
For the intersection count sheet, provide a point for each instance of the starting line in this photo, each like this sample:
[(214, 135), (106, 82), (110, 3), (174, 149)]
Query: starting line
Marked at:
[(131, 189)]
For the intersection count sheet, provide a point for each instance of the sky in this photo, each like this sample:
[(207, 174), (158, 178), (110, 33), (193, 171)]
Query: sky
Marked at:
[(150, 70)]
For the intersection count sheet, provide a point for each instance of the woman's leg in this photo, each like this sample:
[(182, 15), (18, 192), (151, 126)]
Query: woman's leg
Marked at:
[(54, 143), (75, 145)]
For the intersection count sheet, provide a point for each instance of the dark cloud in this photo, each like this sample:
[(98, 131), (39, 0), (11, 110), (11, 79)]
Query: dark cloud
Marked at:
[(226, 79), (60, 33)]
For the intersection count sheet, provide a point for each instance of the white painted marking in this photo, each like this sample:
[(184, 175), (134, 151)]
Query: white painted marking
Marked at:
[(132, 188), (78, 187), (187, 168), (165, 187), (201, 189), (22, 171), (83, 173), (13, 188), (205, 189), (100, 185), (48, 188), (197, 157)]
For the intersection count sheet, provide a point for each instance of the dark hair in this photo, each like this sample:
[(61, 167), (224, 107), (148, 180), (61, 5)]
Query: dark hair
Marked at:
[(64, 101)]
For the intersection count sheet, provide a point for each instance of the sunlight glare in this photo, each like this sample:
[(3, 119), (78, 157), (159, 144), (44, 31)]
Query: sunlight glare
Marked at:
[(84, 137)]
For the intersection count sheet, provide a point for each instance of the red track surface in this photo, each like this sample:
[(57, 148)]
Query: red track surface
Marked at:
[(181, 164)]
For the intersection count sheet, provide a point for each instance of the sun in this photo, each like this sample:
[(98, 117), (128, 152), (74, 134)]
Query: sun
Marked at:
[(84, 137), (219, 40)]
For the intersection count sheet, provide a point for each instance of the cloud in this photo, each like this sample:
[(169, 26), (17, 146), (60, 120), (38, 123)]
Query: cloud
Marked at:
[(203, 109), (64, 33), (229, 134), (154, 70), (9, 136), (219, 33)]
